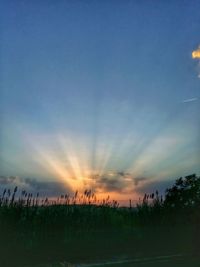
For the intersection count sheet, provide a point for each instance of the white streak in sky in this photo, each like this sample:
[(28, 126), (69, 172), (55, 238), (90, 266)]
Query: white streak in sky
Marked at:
[(190, 100)]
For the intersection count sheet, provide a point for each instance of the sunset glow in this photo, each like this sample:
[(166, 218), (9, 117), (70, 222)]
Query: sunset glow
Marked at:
[(99, 96)]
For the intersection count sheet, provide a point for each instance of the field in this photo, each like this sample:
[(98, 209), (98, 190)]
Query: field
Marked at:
[(35, 232), (162, 261), (179, 262)]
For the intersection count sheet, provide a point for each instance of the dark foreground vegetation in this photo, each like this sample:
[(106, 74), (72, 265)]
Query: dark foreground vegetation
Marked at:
[(78, 230)]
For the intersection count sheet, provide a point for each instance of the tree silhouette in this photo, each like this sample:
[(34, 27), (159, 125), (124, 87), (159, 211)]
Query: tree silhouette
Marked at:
[(185, 193)]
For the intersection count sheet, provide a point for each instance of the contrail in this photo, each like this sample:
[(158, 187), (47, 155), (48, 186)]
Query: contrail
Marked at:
[(190, 100)]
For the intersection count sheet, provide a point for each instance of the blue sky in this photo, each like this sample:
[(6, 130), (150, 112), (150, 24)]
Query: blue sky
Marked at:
[(98, 88)]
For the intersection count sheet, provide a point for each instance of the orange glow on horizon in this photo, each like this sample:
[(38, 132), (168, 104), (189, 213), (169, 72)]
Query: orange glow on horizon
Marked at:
[(69, 161)]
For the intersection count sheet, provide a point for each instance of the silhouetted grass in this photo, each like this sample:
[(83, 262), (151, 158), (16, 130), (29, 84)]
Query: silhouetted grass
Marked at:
[(82, 229)]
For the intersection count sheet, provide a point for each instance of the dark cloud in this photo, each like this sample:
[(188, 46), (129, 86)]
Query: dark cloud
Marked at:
[(7, 180), (139, 180), (118, 182), (49, 189), (124, 182), (108, 184)]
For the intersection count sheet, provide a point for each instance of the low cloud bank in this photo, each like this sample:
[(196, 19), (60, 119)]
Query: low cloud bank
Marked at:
[(119, 182), (48, 189)]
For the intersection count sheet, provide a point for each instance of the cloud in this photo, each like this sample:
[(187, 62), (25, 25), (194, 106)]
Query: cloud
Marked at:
[(7, 180), (139, 180), (48, 189), (107, 184), (196, 53), (190, 100), (119, 182)]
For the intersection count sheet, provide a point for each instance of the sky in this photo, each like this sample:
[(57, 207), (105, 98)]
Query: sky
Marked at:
[(99, 94)]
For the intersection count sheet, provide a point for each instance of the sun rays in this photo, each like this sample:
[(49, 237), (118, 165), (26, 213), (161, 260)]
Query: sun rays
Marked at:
[(69, 161), (122, 153)]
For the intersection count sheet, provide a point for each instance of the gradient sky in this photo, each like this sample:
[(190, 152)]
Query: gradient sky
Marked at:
[(99, 94)]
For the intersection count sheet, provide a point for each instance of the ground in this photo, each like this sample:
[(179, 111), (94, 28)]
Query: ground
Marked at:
[(163, 261)]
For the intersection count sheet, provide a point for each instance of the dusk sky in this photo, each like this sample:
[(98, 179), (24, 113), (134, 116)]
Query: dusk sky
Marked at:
[(99, 94)]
